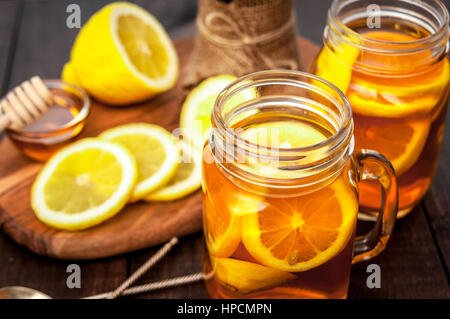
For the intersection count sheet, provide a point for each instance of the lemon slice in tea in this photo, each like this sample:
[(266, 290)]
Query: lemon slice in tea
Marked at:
[(245, 277)]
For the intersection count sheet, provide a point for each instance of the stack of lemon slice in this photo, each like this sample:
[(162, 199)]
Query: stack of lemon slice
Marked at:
[(91, 180), (122, 55)]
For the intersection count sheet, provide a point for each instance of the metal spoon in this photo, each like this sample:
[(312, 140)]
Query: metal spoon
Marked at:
[(18, 292)]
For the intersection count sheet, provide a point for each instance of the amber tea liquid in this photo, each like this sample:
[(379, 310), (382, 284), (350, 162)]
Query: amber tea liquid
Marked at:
[(272, 243), (399, 113)]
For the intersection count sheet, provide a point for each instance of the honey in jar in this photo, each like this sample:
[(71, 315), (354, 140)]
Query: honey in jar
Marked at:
[(56, 128)]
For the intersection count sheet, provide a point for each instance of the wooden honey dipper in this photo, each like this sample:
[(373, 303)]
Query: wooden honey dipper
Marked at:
[(25, 104)]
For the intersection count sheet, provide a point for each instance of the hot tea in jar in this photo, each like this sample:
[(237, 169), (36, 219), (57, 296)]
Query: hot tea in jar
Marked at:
[(390, 58), (280, 190)]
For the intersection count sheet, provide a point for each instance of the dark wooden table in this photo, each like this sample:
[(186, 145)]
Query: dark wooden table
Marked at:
[(34, 39)]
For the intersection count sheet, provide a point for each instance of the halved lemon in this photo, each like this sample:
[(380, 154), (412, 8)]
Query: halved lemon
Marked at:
[(84, 184), (187, 178), (155, 151), (301, 233), (68, 74), (245, 277), (123, 55), (400, 140), (195, 117)]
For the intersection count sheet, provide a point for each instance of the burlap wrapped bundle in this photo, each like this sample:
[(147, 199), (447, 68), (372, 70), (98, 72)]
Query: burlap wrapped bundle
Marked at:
[(242, 36)]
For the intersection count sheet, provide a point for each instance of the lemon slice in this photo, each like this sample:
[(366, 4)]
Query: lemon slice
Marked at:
[(245, 277), (221, 226), (296, 233), (123, 55), (221, 213), (336, 66), (401, 141), (278, 134), (195, 118), (385, 98), (301, 233), (283, 134), (187, 179), (155, 151), (399, 101), (84, 184), (221, 219)]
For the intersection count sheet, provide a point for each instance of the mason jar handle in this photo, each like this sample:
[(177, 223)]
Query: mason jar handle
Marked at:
[(372, 166)]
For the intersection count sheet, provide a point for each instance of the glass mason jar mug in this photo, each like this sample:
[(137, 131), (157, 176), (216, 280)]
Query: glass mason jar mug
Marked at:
[(280, 190), (390, 58)]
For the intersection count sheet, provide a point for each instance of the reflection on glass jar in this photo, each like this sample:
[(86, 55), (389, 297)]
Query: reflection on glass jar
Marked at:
[(391, 62), (280, 190)]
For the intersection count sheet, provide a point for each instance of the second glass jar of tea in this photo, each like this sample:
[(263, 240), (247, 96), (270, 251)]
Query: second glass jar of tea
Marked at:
[(390, 58)]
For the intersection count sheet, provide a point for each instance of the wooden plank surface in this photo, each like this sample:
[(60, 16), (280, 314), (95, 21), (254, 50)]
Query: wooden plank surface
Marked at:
[(413, 265), (410, 265), (437, 202)]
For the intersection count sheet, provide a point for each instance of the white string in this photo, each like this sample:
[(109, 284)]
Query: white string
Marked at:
[(144, 268), (167, 283)]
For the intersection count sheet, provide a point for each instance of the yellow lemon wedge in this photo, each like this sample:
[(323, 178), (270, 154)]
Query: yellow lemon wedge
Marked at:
[(123, 55), (336, 66), (187, 178), (84, 184), (221, 225), (245, 277), (155, 151)]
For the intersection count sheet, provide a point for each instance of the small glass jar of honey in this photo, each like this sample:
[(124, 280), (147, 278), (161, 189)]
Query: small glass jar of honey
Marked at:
[(63, 122)]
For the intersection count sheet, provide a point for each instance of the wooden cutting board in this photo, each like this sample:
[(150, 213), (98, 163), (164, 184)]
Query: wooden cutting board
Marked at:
[(139, 225)]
